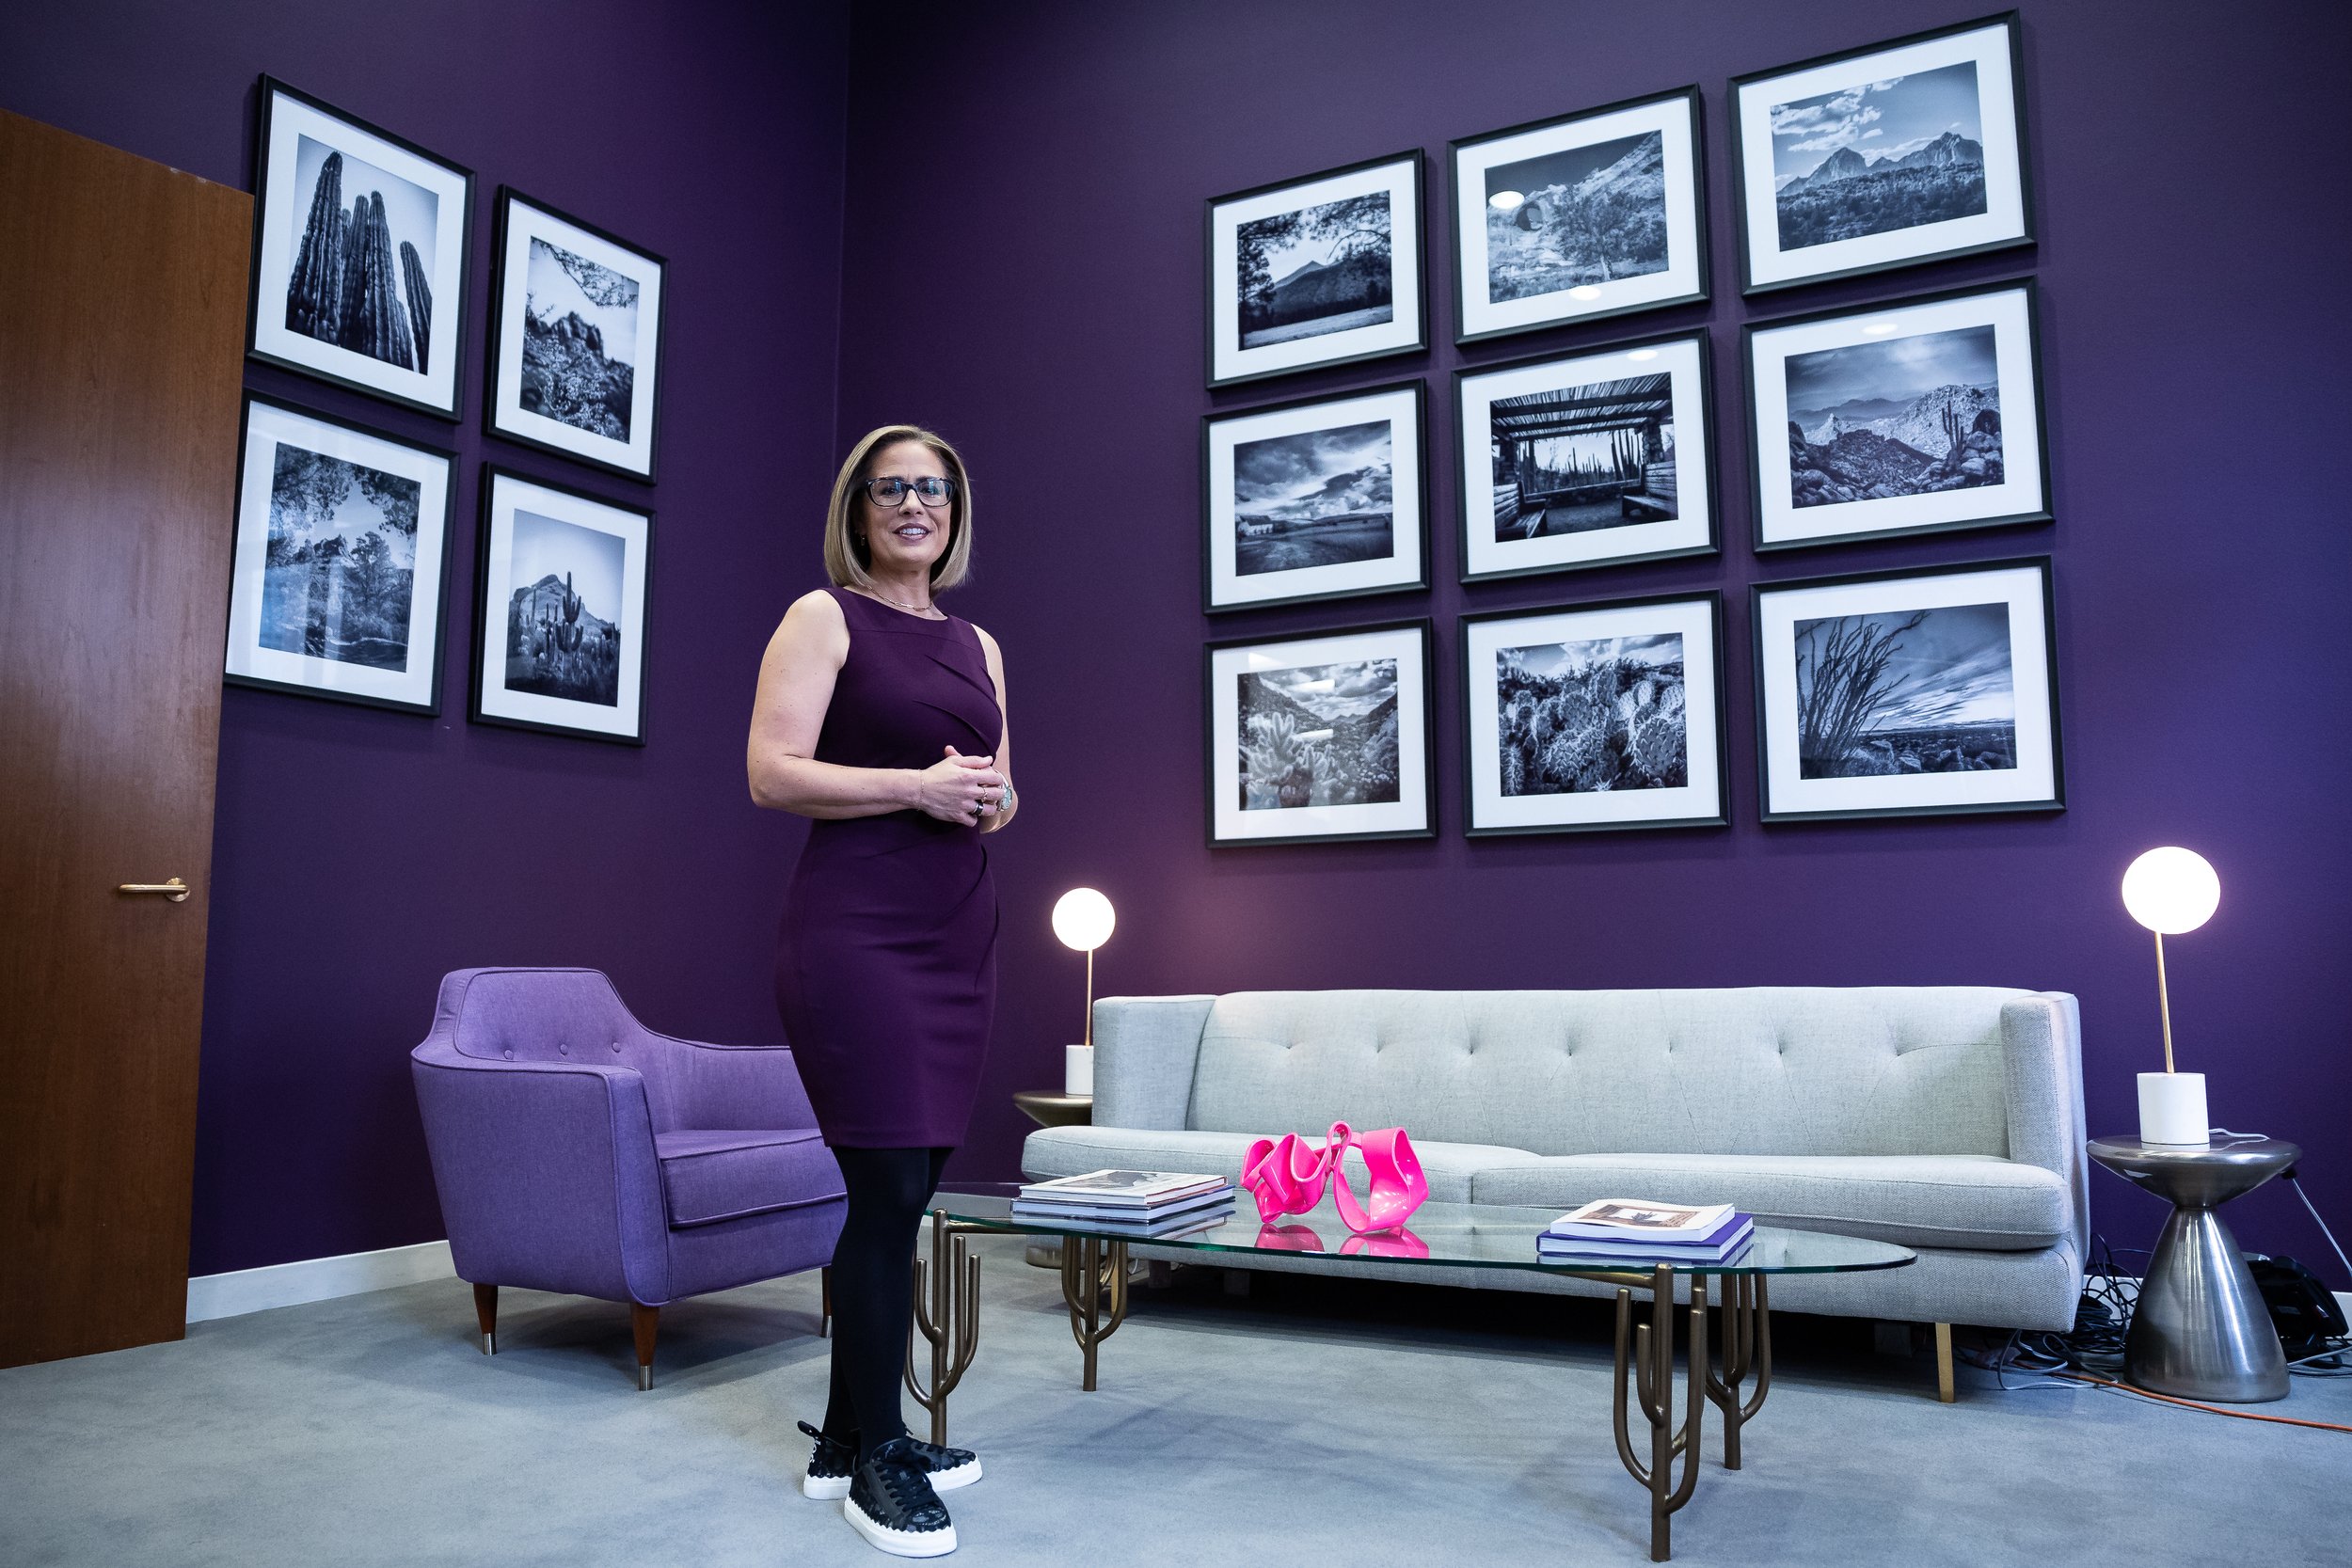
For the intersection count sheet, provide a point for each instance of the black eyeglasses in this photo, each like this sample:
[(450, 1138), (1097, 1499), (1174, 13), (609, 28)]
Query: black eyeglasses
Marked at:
[(929, 490)]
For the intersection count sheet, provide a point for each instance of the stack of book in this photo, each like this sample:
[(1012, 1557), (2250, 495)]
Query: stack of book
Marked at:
[(1148, 1203), (1623, 1230)]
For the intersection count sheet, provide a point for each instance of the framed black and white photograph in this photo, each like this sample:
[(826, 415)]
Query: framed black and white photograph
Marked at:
[(1587, 216), (1914, 417), (1320, 271), (1319, 739), (1882, 157), (1320, 498), (340, 571), (560, 611), (1908, 693), (359, 248), (575, 339), (1590, 459), (1594, 717)]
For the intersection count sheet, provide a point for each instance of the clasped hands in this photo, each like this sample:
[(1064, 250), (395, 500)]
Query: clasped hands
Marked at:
[(960, 789)]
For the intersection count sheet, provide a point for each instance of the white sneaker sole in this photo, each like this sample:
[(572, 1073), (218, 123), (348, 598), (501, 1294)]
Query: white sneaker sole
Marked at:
[(899, 1542), (947, 1481), (825, 1489)]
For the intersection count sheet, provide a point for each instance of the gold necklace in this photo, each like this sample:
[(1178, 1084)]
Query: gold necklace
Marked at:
[(910, 608)]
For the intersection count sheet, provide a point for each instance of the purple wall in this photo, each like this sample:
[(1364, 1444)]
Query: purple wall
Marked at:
[(2194, 326), (359, 855)]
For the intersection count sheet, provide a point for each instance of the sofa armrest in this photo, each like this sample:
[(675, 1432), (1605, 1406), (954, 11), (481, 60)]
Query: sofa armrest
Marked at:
[(735, 1086), (1145, 1049), (2041, 1054), (546, 1173)]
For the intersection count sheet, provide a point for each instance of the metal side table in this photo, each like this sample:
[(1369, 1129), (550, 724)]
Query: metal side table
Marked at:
[(2200, 1329)]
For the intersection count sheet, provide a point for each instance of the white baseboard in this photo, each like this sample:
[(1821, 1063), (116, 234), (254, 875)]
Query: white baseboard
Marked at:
[(228, 1296)]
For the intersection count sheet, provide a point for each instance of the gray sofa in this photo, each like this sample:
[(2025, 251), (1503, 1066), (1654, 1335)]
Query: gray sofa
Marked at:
[(1946, 1118)]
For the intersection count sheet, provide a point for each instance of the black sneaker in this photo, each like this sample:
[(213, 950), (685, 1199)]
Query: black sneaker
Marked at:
[(829, 1467), (949, 1467), (891, 1503)]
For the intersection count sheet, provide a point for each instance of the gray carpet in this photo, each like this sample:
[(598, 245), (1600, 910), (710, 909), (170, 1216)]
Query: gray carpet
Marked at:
[(1306, 1423)]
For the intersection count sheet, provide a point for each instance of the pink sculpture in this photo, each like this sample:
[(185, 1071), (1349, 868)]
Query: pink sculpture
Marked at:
[(1287, 1177)]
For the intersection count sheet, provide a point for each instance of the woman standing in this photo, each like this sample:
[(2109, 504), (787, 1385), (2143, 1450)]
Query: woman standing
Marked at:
[(883, 719)]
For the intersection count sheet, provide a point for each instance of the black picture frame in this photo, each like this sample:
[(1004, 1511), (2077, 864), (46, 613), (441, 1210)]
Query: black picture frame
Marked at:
[(508, 425), (2045, 598), (1422, 628), (1720, 730), (431, 705), (1401, 233), (1696, 196), (449, 283), (1743, 184), (1419, 387), (2036, 514), (491, 474), (1466, 513)]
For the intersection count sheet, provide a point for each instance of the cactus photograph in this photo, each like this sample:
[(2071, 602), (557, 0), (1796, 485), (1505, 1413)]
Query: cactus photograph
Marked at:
[(1600, 715), (1917, 691), (1319, 735), (563, 614), (359, 279), (1906, 415)]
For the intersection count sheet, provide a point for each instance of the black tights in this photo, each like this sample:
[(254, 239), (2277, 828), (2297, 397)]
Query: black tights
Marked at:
[(873, 1290)]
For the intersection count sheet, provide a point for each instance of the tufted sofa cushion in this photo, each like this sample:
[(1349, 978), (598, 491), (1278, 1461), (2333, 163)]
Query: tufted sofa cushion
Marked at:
[(1769, 1070), (712, 1175)]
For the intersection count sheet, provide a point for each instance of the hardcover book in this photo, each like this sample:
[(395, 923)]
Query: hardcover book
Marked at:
[(1122, 1189)]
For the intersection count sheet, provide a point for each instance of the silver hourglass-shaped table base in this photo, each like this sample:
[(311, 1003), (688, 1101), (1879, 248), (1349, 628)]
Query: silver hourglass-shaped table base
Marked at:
[(2201, 1329)]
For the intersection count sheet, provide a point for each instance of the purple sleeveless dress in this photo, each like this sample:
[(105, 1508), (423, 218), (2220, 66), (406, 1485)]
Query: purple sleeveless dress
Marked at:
[(886, 963)]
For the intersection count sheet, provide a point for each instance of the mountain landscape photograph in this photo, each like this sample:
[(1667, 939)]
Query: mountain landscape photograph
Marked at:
[(1906, 417), (580, 341), (361, 277), (1591, 716), (1582, 215), (1318, 270), (563, 619), (1321, 498), (1917, 691), (1319, 735), (1878, 156)]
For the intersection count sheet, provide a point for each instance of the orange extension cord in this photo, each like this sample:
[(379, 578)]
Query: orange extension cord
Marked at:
[(2193, 1405)]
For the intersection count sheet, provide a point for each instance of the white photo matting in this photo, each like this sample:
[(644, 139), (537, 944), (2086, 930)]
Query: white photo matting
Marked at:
[(1586, 460), (1908, 693), (560, 619), (576, 339), (1917, 416), (1594, 717), (1320, 737), (1592, 214), (1320, 498), (341, 574), (359, 244), (1318, 271), (1882, 157)]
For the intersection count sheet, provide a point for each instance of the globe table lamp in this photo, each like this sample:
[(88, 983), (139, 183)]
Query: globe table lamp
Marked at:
[(1083, 919), (2170, 891)]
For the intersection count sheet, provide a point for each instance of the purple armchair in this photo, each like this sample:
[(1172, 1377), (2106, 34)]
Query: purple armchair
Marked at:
[(577, 1151)]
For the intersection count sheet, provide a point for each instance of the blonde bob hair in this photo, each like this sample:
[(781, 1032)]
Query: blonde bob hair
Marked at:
[(847, 556)]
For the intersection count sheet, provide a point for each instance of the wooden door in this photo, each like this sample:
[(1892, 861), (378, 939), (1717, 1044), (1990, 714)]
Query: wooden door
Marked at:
[(122, 287)]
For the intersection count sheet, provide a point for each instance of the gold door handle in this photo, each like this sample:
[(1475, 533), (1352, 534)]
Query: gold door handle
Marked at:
[(175, 890)]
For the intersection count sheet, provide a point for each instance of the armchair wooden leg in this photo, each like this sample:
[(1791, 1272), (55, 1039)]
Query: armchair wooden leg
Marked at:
[(644, 1323), (486, 1314), (824, 1308), (1944, 1363)]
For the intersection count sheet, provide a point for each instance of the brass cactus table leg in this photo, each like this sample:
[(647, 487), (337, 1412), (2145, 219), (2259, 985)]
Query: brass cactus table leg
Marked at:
[(1091, 1265), (1646, 1366), (950, 1318), (1747, 1336)]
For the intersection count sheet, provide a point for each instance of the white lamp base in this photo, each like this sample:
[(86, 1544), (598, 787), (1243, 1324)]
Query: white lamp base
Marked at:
[(1078, 1070), (2172, 1108)]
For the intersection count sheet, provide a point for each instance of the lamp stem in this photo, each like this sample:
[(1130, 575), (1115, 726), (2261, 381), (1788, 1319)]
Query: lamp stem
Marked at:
[(2164, 1002), (1089, 1035)]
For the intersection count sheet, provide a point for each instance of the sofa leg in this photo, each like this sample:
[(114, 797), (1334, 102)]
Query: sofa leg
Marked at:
[(1944, 1363), (644, 1322), (824, 1301), (486, 1315)]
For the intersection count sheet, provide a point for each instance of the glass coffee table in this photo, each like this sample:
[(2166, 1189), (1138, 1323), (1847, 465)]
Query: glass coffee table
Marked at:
[(1095, 1279)]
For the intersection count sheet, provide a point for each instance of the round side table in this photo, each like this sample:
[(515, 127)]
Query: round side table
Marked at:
[(1048, 1108), (2201, 1329)]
